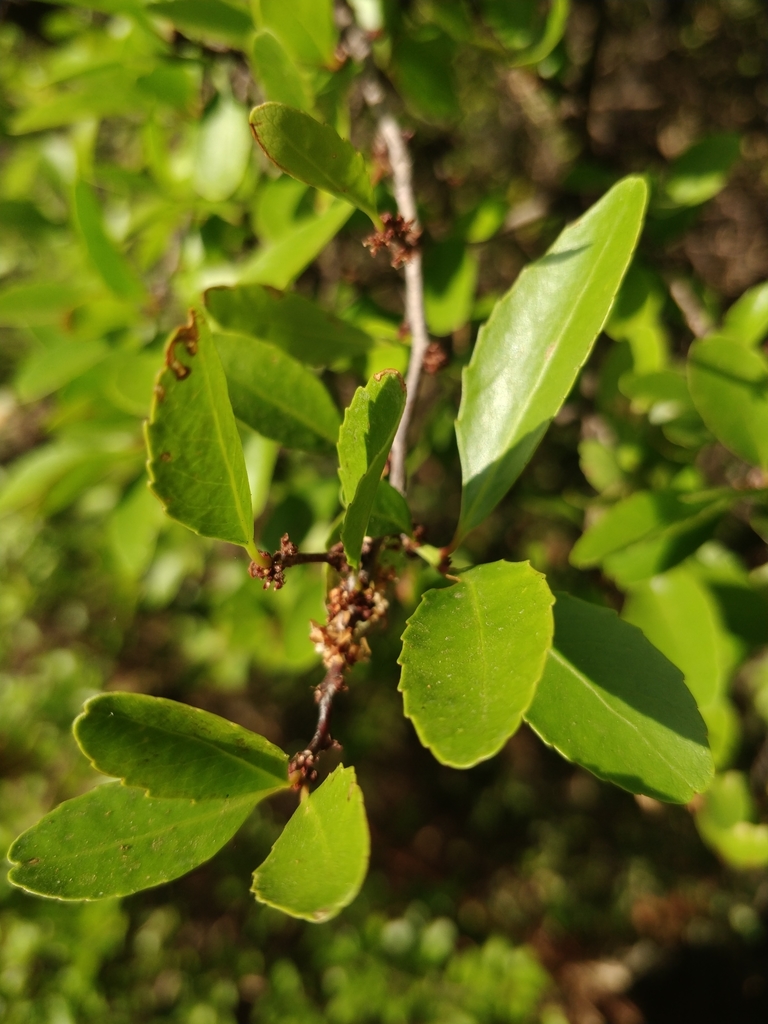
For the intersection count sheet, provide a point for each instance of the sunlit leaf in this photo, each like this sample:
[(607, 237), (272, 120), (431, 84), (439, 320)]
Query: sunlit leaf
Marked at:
[(277, 74), (223, 150), (747, 319), (106, 258)]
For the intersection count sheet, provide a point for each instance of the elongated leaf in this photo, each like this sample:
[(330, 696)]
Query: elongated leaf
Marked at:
[(53, 367), (644, 514), (281, 262), (366, 436), (538, 336), (319, 862), (277, 396), (36, 302), (223, 150), (314, 153), (729, 387), (747, 319), (450, 278), (114, 841), (306, 28), (611, 702), (472, 656), (554, 27), (295, 324), (278, 75), (726, 819), (132, 530), (110, 263), (678, 615), (174, 750), (130, 381), (196, 464), (207, 20)]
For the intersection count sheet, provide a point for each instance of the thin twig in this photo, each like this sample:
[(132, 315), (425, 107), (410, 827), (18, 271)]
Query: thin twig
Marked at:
[(402, 176)]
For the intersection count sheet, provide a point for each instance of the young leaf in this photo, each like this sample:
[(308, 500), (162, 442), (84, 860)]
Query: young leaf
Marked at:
[(472, 655), (110, 263), (366, 436), (747, 319), (528, 354), (725, 822), (114, 841), (277, 396), (278, 75), (729, 387), (390, 513), (318, 864), (174, 750), (314, 153), (295, 324), (196, 464), (611, 702)]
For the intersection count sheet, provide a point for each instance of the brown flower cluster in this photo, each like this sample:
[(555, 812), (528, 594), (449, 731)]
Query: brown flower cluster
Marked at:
[(400, 236)]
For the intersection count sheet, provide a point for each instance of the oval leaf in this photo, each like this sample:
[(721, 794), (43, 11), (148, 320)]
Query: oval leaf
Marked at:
[(295, 324), (318, 863), (277, 396), (472, 655), (366, 436), (747, 319), (609, 701), (196, 464), (278, 75), (115, 840), (314, 153), (173, 750), (108, 261), (223, 150), (539, 335), (729, 387)]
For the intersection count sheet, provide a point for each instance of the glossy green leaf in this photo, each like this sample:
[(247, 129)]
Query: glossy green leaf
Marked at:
[(277, 396), (472, 656), (527, 356), (132, 529), (725, 822), (747, 319), (314, 153), (612, 703), (107, 260), (306, 28), (277, 73), (207, 20), (289, 321), (366, 436), (729, 387), (643, 515), (450, 279), (702, 171), (319, 862), (196, 465), (281, 262), (56, 365), (115, 840), (678, 615), (174, 750), (223, 150), (390, 514)]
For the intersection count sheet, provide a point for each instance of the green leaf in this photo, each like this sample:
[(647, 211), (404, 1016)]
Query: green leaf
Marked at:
[(366, 436), (319, 862), (36, 302), (554, 29), (223, 150), (196, 464), (702, 171), (450, 279), (725, 822), (132, 529), (527, 356), (130, 381), (114, 841), (174, 750), (56, 365), (472, 656), (637, 317), (729, 387), (306, 28), (609, 701), (295, 324), (747, 319), (281, 262), (107, 260), (643, 515), (423, 71), (277, 396), (390, 514), (277, 74), (207, 20), (314, 153)]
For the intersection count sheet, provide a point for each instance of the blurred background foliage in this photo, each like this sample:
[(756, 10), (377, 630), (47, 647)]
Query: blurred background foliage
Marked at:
[(522, 890)]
